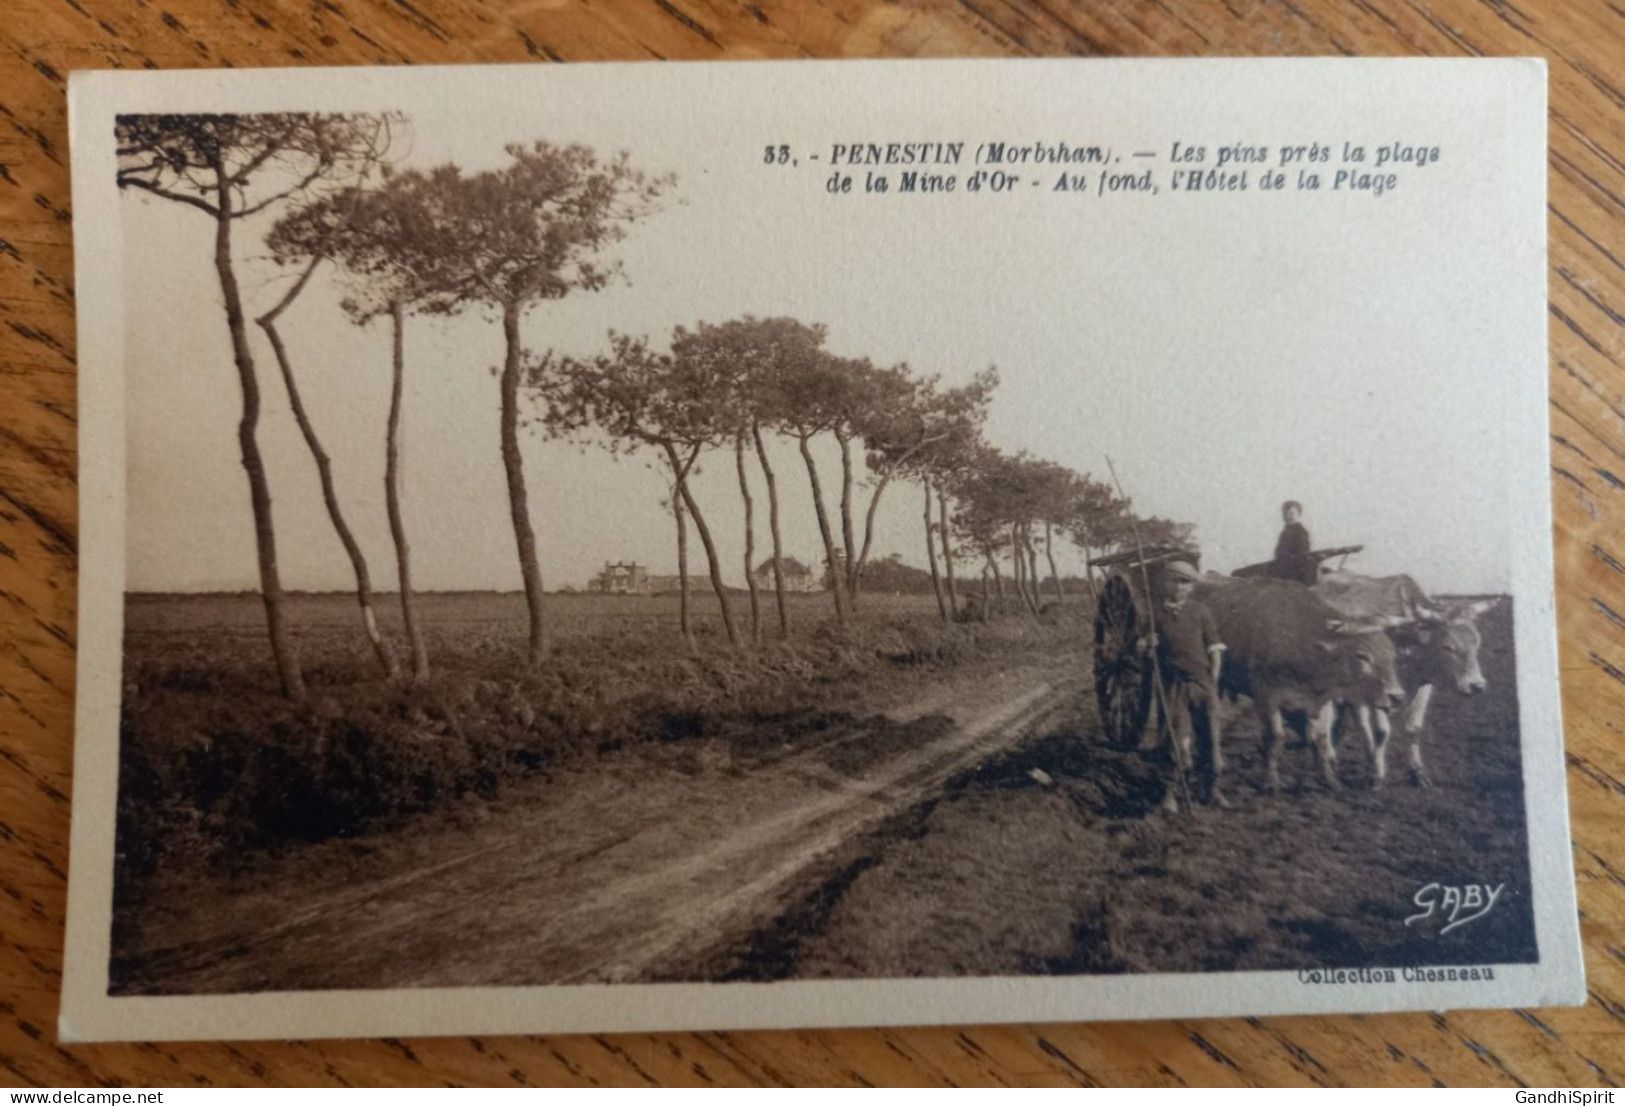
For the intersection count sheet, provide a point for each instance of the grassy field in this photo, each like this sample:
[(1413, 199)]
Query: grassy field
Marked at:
[(1310, 878), (216, 639), (1049, 857), (216, 763)]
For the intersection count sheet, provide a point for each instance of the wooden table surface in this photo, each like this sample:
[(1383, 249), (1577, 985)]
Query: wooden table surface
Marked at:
[(41, 40)]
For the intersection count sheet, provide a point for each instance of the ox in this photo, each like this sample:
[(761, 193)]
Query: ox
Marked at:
[(1288, 650), (1438, 646)]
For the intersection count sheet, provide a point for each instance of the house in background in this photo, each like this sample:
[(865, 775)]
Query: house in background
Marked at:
[(620, 579), (797, 576), (631, 578)]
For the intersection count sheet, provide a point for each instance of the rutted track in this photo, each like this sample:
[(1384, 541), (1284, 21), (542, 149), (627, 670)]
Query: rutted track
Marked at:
[(633, 869), (1052, 858)]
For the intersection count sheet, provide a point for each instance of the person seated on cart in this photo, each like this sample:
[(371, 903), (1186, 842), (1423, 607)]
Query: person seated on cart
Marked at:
[(1292, 557), (1189, 659)]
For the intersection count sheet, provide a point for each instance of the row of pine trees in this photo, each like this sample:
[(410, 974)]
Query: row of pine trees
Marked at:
[(420, 243)]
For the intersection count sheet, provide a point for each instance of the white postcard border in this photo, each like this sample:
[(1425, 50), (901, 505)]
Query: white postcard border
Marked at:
[(89, 1013)]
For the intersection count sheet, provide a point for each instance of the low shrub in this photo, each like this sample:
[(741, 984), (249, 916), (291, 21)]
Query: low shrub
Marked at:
[(216, 768)]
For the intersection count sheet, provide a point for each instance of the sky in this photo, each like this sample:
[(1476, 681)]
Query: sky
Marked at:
[(1358, 353)]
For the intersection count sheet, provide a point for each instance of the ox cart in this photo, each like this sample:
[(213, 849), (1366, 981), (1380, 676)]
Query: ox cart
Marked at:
[(1122, 670), (1318, 556), (1123, 690)]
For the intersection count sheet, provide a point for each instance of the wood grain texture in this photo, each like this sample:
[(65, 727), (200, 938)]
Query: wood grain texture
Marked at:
[(41, 40)]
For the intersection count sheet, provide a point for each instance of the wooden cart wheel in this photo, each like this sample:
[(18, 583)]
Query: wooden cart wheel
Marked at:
[(1122, 675)]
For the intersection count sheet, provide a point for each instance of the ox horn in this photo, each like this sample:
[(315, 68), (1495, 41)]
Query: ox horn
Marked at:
[(1368, 624)]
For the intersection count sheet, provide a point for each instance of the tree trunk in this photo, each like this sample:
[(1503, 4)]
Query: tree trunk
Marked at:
[(392, 499), (947, 554), (931, 556), (712, 560), (1025, 568), (324, 471), (682, 565), (750, 541), (1034, 600), (1049, 555), (518, 505), (773, 524), (715, 564), (259, 491), (1016, 566), (835, 577), (998, 577), (874, 504), (869, 531), (986, 598), (849, 570)]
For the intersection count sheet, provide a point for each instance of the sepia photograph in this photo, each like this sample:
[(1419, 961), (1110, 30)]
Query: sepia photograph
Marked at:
[(691, 530)]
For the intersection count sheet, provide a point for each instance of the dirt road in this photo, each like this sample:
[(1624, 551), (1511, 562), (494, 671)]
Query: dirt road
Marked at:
[(972, 824), (1310, 878), (626, 869)]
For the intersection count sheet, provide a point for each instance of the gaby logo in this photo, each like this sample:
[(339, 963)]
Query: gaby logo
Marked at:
[(1455, 905)]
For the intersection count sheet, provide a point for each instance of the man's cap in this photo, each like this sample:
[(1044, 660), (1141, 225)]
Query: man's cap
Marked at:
[(1182, 570)]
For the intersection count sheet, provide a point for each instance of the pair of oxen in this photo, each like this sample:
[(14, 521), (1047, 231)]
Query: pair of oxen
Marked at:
[(1353, 650)]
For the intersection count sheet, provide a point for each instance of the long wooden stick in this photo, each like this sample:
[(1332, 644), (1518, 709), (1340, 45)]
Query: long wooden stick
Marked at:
[(1156, 667)]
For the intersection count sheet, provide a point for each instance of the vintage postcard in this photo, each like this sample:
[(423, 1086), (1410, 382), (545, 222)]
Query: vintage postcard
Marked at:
[(610, 547)]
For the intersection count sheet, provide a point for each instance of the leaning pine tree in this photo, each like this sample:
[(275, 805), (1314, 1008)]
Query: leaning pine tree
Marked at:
[(745, 364), (926, 433), (508, 239), (809, 395), (369, 234), (232, 167), (634, 398)]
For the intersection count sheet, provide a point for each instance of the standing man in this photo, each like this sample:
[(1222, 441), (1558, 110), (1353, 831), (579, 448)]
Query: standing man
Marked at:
[(1292, 559), (1189, 658)]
